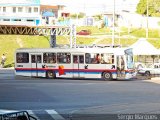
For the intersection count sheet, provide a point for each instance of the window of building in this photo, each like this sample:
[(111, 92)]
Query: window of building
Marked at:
[(29, 10), (17, 20), (22, 58), (49, 57), (14, 9), (20, 9), (6, 19), (4, 9), (36, 9), (30, 20), (63, 57)]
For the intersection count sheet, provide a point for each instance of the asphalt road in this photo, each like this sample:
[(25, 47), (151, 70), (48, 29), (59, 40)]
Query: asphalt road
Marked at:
[(65, 98)]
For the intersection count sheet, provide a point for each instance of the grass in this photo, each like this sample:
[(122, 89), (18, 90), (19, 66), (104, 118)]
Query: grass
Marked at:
[(9, 43)]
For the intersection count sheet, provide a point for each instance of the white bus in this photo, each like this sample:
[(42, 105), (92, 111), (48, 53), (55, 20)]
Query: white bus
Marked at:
[(106, 63)]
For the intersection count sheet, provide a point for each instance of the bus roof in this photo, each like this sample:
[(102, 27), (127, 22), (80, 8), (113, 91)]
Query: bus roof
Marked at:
[(118, 51)]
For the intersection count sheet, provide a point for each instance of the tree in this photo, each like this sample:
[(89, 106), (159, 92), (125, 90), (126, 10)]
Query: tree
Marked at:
[(153, 7)]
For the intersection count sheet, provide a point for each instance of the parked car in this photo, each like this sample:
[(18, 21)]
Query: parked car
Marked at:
[(139, 65), (84, 32), (153, 69)]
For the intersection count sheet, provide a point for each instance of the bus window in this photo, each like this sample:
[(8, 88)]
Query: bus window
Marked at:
[(97, 58), (63, 57), (87, 57), (108, 58), (78, 60), (49, 57), (81, 59), (75, 59), (94, 58), (22, 58), (33, 59), (39, 60)]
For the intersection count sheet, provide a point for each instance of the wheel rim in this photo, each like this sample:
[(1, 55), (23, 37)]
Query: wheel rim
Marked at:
[(50, 74), (107, 75)]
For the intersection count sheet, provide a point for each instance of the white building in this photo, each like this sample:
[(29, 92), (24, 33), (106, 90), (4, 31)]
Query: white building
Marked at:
[(20, 12)]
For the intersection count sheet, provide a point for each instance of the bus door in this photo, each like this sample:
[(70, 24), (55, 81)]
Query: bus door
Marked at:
[(120, 66), (36, 65), (78, 65)]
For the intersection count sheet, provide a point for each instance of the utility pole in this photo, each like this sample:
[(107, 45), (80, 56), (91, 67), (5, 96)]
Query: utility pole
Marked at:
[(147, 21), (73, 36), (113, 24)]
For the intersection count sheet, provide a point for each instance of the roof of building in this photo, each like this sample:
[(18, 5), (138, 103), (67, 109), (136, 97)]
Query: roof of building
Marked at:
[(48, 14), (19, 3)]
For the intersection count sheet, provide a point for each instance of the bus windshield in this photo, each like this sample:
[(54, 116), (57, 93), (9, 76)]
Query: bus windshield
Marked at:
[(130, 63), (129, 58)]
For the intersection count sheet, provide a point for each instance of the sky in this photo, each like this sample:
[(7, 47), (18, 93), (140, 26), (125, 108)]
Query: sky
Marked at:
[(89, 6)]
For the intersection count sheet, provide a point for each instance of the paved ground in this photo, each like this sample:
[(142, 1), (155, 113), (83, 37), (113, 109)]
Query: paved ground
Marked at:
[(78, 99)]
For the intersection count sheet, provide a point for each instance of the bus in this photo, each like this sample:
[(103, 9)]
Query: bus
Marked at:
[(106, 63)]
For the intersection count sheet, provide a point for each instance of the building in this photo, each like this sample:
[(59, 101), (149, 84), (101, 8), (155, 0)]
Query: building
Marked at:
[(50, 13), (21, 12), (28, 12)]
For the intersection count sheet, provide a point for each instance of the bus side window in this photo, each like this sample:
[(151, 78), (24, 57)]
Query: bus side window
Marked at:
[(75, 59), (112, 59), (49, 57), (68, 58), (64, 58), (39, 59), (33, 59), (108, 58), (87, 58), (81, 59), (22, 57)]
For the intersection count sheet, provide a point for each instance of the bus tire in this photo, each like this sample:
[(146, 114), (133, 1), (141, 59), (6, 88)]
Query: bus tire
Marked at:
[(107, 76), (50, 74)]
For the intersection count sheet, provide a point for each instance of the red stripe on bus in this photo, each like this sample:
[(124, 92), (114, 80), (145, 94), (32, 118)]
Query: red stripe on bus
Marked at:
[(85, 70)]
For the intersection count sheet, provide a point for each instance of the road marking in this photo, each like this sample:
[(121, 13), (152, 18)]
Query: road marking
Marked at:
[(54, 115), (30, 112)]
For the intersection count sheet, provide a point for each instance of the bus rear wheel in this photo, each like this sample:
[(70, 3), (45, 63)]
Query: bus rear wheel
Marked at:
[(107, 76), (50, 74)]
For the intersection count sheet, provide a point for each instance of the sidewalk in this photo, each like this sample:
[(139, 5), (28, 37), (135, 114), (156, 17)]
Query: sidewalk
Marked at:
[(154, 80), (6, 70)]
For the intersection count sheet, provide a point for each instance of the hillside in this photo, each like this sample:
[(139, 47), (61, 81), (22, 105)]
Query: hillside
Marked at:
[(9, 43)]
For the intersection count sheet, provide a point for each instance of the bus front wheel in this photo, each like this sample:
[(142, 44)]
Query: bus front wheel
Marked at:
[(50, 74), (107, 76)]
